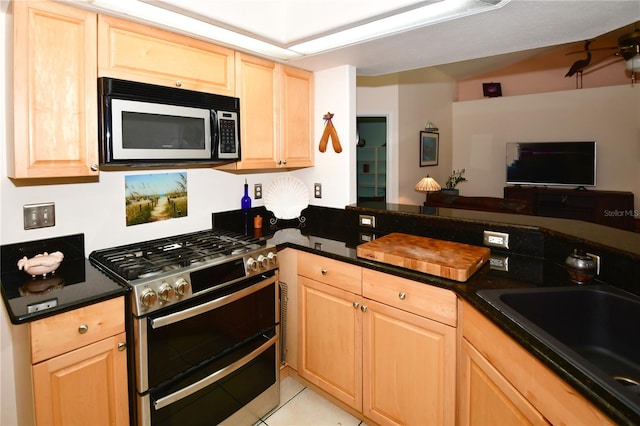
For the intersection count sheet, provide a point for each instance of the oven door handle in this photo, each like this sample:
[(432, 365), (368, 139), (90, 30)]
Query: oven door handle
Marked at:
[(207, 381), (205, 307)]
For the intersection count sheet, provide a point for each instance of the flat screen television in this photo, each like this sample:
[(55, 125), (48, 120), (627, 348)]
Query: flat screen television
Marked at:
[(551, 163)]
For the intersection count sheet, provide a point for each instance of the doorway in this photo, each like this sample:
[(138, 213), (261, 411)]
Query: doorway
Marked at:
[(371, 158)]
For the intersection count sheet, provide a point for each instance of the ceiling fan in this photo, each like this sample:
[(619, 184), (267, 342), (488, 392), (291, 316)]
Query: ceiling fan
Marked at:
[(627, 49)]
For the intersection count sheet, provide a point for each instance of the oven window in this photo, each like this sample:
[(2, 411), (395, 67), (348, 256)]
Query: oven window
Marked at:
[(218, 401), (187, 344)]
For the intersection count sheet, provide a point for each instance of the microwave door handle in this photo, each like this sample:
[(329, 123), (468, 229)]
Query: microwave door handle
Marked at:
[(215, 133)]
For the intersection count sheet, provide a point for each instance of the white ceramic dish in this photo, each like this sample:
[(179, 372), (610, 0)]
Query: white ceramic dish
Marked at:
[(286, 197)]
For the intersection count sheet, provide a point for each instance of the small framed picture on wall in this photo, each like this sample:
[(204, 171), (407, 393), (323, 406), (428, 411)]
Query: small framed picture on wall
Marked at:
[(428, 149)]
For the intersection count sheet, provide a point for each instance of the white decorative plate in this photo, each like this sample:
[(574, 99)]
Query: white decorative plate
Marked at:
[(286, 197)]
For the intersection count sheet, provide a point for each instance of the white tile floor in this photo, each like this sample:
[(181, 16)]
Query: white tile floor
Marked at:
[(300, 406)]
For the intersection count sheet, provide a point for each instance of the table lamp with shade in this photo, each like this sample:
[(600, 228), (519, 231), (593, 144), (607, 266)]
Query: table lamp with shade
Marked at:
[(427, 184)]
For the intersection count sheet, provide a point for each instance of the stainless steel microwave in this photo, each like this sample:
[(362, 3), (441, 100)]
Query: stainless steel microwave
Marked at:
[(148, 125)]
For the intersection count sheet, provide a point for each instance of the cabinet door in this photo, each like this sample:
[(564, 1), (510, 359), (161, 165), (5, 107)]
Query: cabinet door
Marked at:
[(276, 105), (486, 397), (297, 118), (87, 386), (409, 368), (55, 92), (132, 51), (257, 88), (551, 396), (330, 352)]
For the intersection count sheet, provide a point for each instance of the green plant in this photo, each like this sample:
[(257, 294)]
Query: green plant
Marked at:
[(455, 178)]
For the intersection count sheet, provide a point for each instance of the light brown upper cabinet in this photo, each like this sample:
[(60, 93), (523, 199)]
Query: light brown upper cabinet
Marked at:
[(296, 148), (276, 109), (54, 92), (131, 51)]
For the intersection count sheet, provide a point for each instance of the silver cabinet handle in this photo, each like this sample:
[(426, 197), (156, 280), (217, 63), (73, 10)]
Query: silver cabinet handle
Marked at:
[(284, 162), (402, 295), (94, 167), (83, 328), (122, 346), (178, 83), (363, 308), (324, 271), (356, 305)]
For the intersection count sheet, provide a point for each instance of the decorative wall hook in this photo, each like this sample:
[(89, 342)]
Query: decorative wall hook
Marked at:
[(329, 131)]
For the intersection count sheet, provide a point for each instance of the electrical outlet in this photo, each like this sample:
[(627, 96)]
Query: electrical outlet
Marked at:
[(257, 191), (366, 220), (499, 263), (317, 190), (365, 237), (39, 215), (496, 239)]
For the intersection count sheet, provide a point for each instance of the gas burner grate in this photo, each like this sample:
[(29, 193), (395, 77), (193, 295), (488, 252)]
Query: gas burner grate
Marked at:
[(145, 259)]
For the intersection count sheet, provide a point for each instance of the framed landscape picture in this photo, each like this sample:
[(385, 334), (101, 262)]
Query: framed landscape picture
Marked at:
[(428, 149)]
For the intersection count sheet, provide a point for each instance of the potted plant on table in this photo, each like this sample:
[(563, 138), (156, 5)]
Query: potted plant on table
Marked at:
[(456, 177)]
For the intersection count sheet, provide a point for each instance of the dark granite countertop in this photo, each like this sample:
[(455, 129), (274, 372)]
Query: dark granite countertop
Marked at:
[(525, 272), (597, 234), (76, 283), (540, 249)]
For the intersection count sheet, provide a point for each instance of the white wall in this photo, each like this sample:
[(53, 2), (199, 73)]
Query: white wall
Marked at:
[(608, 115), (425, 95), (98, 209), (335, 93), (378, 97), (410, 99), (8, 410)]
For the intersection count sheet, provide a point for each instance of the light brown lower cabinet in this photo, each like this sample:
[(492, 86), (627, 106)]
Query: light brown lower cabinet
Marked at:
[(80, 366), (394, 366), (408, 374), (500, 382), (331, 340), (487, 398)]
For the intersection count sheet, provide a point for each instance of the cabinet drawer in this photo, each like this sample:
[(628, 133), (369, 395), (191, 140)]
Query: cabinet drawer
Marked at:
[(419, 298), (333, 272), (70, 330)]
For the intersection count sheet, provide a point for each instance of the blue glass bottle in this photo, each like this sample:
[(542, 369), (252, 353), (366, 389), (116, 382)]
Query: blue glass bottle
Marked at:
[(245, 202)]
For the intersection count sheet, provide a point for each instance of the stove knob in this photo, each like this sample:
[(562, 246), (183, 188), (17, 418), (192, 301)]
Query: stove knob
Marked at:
[(263, 262), (182, 287), (252, 264), (273, 258), (148, 297), (165, 292)]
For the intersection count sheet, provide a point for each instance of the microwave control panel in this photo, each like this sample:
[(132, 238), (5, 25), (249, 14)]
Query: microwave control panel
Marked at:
[(228, 141)]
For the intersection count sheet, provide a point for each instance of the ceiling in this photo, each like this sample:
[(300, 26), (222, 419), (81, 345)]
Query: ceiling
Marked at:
[(462, 47)]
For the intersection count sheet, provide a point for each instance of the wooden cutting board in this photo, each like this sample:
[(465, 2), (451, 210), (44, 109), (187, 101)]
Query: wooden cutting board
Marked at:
[(447, 259)]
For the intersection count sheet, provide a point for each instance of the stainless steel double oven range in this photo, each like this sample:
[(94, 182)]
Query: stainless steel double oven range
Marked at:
[(204, 320)]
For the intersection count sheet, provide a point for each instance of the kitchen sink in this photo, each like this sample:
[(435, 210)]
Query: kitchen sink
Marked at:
[(595, 328)]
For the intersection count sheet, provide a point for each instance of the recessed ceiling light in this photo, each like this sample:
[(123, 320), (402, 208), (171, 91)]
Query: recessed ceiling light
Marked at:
[(416, 18), (420, 17)]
